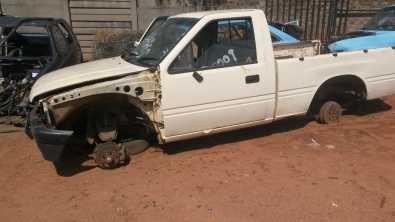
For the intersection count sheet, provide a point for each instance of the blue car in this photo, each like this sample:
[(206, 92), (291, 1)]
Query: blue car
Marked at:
[(379, 32), (280, 37)]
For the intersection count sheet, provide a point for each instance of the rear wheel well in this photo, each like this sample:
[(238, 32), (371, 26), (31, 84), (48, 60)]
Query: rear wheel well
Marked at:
[(347, 90)]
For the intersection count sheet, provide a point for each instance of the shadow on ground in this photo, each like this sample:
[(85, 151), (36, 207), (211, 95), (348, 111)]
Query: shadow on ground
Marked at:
[(288, 124), (370, 107), (73, 162), (237, 136)]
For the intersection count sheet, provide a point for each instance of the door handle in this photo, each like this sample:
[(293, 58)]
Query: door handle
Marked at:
[(252, 79), (199, 78)]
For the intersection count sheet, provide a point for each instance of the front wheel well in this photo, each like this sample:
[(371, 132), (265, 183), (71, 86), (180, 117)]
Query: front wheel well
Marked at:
[(346, 90), (126, 115)]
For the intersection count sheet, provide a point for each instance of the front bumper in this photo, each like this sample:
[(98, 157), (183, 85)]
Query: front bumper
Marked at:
[(51, 142)]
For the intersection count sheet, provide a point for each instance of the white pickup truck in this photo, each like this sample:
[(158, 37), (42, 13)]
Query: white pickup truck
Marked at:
[(197, 74)]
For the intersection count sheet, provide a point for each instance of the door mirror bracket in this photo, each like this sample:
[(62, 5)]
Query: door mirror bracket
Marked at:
[(199, 78)]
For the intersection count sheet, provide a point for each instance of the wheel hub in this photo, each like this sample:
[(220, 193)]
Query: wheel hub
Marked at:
[(109, 155), (333, 114)]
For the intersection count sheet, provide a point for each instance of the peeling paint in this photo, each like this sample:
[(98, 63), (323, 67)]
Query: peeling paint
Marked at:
[(64, 104)]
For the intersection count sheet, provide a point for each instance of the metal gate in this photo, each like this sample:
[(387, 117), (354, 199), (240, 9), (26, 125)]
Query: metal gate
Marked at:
[(320, 19), (344, 13), (314, 16), (317, 18)]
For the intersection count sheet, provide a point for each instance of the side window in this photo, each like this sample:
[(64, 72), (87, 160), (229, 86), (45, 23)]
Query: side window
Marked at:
[(223, 32), (60, 40), (220, 43)]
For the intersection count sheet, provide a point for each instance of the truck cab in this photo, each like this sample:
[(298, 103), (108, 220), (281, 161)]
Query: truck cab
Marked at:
[(224, 66)]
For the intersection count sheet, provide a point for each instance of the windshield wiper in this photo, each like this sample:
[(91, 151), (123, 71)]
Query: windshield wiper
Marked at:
[(127, 55), (133, 53), (144, 60)]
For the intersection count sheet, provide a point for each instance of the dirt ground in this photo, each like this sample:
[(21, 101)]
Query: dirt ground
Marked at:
[(292, 170)]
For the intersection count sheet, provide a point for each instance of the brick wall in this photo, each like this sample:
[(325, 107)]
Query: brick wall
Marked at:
[(355, 23)]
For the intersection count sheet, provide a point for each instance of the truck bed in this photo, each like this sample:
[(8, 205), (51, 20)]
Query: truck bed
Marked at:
[(299, 79), (297, 50)]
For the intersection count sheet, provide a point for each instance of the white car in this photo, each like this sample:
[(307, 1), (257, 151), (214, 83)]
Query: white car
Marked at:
[(198, 74)]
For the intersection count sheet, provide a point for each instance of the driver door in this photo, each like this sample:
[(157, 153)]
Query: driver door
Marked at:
[(217, 82)]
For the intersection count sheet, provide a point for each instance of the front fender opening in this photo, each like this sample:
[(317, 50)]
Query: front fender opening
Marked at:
[(109, 118)]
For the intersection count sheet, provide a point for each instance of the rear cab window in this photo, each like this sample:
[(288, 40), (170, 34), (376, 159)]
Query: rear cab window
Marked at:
[(31, 30), (31, 39), (221, 43)]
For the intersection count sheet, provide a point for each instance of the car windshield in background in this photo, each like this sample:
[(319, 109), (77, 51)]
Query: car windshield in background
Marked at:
[(384, 20), (31, 29), (157, 44)]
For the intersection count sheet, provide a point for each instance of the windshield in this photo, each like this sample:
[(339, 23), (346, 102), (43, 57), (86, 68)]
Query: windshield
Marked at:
[(159, 42), (383, 20), (155, 25)]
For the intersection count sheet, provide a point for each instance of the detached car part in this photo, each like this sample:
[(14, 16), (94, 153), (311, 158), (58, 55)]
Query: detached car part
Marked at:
[(30, 48)]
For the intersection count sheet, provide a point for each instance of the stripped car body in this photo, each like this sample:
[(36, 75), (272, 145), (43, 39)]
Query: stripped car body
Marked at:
[(30, 48), (126, 84)]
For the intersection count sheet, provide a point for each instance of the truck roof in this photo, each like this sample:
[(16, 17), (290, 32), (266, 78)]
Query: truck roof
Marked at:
[(202, 14)]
